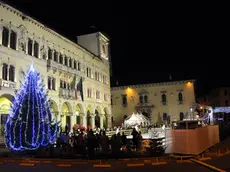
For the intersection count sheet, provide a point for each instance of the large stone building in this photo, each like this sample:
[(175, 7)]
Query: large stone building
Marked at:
[(63, 65), (161, 102), (218, 97)]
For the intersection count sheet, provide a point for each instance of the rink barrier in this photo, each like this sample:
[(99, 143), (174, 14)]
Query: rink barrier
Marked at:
[(136, 165), (208, 165), (102, 166), (63, 165), (27, 164)]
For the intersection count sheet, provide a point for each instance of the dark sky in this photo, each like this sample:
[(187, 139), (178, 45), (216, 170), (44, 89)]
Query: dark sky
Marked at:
[(145, 48)]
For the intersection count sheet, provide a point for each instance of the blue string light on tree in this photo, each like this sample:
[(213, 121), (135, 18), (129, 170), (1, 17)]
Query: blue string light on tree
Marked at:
[(29, 126)]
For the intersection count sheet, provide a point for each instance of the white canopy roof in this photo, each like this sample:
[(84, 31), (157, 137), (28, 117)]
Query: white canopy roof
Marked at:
[(136, 119)]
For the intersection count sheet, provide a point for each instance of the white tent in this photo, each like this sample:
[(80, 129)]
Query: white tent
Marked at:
[(136, 119)]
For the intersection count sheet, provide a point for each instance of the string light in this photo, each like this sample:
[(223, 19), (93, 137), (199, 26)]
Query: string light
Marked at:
[(29, 125)]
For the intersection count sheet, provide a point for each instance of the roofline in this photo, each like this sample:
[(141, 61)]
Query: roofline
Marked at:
[(98, 34), (103, 36), (46, 28), (153, 84)]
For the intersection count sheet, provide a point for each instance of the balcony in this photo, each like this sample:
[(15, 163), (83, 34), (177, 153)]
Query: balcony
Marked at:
[(61, 68), (98, 101), (67, 94), (180, 102), (144, 105), (164, 103), (7, 84)]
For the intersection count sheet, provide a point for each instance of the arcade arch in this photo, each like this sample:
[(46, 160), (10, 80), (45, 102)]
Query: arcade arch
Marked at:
[(89, 111), (78, 112), (98, 117), (66, 112), (5, 104), (54, 109), (105, 117)]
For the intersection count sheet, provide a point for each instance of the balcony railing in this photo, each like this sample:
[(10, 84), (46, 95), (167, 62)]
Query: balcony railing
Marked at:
[(67, 94), (7, 84), (60, 67), (144, 105), (164, 103), (180, 102)]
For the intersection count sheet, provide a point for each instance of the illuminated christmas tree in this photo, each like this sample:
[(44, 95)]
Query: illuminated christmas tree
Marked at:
[(29, 126)]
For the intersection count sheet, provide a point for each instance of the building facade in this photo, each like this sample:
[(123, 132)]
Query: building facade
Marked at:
[(76, 75), (161, 102), (218, 97)]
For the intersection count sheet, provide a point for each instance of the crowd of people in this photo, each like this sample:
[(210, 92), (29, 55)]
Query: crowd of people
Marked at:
[(89, 143)]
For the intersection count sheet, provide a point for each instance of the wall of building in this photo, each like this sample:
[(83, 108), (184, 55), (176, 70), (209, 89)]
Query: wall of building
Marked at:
[(154, 107), (218, 97), (65, 106)]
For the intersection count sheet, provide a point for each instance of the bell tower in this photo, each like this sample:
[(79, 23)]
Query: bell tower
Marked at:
[(97, 43)]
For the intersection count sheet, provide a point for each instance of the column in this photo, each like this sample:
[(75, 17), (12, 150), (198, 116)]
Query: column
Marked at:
[(58, 116), (101, 121), (62, 121), (1, 70), (0, 125), (109, 122), (1, 29), (8, 72), (39, 50), (93, 120), (71, 123), (84, 120), (32, 48), (9, 38)]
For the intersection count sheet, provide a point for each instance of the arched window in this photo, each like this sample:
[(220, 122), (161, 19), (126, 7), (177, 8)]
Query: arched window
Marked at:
[(75, 64), (4, 71), (180, 97), (141, 99), (164, 116), (49, 83), (61, 59), (36, 49), (78, 66), (11, 73), (30, 47), (163, 99), (97, 94), (124, 101), (61, 84), (53, 84), (181, 116), (146, 99), (65, 86), (70, 62), (55, 56), (13, 40), (66, 60), (5, 36), (50, 54)]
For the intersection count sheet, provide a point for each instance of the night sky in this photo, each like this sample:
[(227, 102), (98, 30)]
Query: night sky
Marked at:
[(145, 48)]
